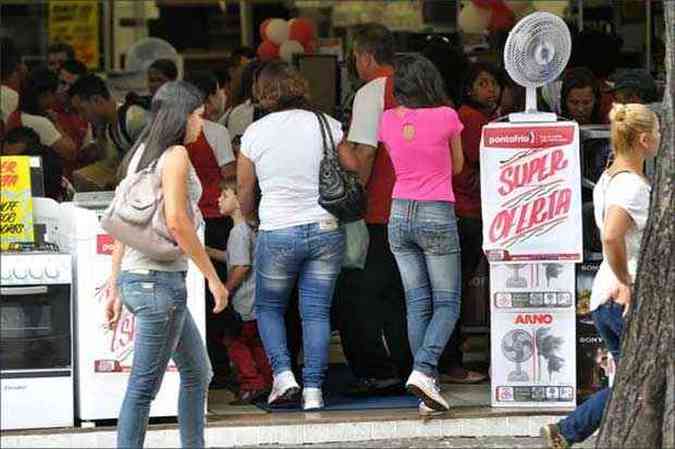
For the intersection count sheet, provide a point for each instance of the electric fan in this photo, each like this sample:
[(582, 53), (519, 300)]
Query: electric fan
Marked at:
[(517, 347), (536, 53), (146, 51)]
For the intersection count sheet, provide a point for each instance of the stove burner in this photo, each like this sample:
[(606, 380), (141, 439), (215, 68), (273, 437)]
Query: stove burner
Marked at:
[(26, 247)]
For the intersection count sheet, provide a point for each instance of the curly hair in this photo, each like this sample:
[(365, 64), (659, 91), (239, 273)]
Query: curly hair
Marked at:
[(278, 87)]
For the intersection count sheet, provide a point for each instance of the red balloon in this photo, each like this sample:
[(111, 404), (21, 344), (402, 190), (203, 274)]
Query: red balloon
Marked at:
[(267, 50), (502, 18), (263, 29), (301, 30)]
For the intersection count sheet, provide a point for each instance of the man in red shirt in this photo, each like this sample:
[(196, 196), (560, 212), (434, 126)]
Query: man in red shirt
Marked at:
[(372, 312)]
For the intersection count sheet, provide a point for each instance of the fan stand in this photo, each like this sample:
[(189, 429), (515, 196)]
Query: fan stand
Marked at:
[(531, 114)]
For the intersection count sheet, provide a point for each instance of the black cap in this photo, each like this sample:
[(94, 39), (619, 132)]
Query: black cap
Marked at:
[(639, 79)]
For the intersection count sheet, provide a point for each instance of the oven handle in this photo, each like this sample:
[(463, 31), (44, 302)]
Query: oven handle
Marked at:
[(17, 291)]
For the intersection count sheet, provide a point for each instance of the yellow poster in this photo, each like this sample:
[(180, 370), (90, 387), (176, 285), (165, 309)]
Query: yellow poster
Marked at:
[(16, 202), (76, 22)]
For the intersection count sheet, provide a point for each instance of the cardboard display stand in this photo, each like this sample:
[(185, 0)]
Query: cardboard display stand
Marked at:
[(532, 237)]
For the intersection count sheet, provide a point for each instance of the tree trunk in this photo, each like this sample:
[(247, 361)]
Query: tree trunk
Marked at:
[(641, 410)]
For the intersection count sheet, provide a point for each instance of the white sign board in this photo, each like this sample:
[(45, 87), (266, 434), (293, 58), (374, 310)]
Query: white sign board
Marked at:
[(531, 192)]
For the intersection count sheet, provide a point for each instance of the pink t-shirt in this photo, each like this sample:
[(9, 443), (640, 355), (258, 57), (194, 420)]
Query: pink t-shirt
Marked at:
[(423, 164)]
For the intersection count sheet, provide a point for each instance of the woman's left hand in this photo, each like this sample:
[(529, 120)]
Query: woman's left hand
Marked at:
[(622, 295)]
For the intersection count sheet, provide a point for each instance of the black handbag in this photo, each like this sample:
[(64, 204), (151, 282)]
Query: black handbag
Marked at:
[(340, 191)]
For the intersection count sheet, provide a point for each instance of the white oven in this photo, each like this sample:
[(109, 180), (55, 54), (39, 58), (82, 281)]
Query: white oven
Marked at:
[(36, 344)]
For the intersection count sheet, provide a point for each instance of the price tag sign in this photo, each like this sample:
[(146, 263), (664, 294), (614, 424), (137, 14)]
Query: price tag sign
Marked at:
[(16, 201)]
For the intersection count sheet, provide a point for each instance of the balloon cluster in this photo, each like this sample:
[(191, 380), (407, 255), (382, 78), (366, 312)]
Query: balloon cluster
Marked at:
[(500, 15), (283, 39)]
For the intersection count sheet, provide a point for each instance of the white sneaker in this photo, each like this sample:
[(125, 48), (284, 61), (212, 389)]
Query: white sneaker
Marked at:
[(285, 389), (312, 399), (426, 388)]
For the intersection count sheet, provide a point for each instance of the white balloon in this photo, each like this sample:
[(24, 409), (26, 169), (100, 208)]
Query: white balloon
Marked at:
[(290, 48), (557, 7), (473, 19), (277, 31)]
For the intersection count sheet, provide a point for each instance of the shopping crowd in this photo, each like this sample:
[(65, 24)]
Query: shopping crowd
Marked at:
[(245, 146)]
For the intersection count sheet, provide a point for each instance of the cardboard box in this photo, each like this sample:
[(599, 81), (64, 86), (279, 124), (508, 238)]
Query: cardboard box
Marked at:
[(533, 359), (533, 335), (545, 286)]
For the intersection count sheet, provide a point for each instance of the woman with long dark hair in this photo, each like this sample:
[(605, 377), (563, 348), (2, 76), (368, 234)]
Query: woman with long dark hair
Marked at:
[(298, 239), (483, 91), (155, 291), (422, 137)]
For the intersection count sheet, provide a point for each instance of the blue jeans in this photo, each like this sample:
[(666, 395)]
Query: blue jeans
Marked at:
[(585, 420), (164, 330), (423, 237), (314, 257)]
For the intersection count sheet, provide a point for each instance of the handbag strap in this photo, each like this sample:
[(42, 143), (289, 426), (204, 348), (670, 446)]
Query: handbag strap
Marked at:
[(328, 150)]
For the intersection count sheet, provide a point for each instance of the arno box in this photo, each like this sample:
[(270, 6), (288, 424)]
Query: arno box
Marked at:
[(532, 286), (533, 359), (533, 346)]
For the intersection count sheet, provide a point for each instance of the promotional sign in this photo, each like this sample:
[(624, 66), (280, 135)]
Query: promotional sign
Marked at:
[(533, 335), (16, 201), (76, 22), (531, 192)]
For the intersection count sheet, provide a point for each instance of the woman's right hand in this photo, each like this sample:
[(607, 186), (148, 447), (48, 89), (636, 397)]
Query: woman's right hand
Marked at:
[(220, 295), (113, 304)]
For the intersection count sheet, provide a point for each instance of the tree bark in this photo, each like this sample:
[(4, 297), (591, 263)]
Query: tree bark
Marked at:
[(641, 411)]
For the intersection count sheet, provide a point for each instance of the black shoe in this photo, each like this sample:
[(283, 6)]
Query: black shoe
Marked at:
[(377, 387), (250, 397)]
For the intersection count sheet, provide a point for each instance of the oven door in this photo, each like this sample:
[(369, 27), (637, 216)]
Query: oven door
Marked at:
[(35, 330)]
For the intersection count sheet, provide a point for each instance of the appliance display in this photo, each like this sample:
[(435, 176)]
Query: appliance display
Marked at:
[(104, 357), (36, 344)]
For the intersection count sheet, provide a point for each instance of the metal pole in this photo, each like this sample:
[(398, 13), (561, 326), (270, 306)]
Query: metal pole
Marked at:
[(648, 37), (108, 50), (246, 23), (580, 15)]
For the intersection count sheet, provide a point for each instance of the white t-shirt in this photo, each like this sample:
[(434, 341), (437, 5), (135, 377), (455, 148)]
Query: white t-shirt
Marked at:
[(286, 148), (9, 101), (48, 133), (240, 118), (367, 111), (630, 192), (219, 140)]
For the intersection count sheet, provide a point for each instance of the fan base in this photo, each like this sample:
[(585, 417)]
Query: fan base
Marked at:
[(533, 117)]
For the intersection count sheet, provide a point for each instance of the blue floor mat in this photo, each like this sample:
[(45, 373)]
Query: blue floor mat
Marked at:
[(338, 379)]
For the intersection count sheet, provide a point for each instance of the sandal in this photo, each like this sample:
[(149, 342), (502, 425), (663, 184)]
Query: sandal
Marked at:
[(470, 377)]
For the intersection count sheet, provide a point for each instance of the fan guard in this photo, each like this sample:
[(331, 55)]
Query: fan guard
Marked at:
[(536, 52)]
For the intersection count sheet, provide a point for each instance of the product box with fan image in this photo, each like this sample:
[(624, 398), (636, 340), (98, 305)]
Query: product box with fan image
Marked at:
[(533, 358), (532, 286)]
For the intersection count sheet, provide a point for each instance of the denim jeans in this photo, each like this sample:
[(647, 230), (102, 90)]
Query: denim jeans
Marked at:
[(313, 256), (423, 237), (164, 330), (585, 420)]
